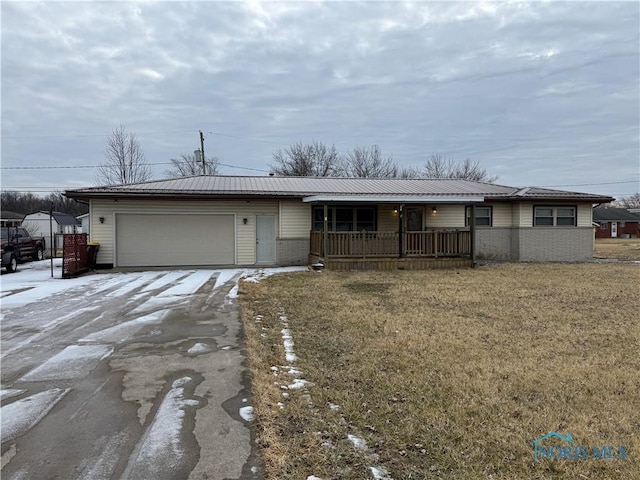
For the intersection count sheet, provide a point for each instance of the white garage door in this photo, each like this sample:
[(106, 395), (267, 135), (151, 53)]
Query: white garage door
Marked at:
[(174, 240)]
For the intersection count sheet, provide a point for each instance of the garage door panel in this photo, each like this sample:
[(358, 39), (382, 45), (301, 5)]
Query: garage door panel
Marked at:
[(174, 240)]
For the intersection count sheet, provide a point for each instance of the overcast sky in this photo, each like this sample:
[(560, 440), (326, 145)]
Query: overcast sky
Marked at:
[(540, 93)]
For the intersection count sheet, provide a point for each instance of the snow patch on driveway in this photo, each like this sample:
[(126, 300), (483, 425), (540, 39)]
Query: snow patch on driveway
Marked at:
[(160, 450), (199, 348), (246, 413), (133, 284), (190, 284), (10, 393), (18, 417), (167, 279), (124, 331), (75, 361)]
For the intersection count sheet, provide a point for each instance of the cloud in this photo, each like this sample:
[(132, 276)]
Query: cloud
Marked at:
[(531, 89)]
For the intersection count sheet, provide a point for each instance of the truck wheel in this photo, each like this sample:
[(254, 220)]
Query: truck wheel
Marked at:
[(38, 254), (13, 264)]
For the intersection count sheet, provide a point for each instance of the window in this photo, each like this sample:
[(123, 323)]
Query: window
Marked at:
[(604, 225), (544, 216), (622, 224), (365, 219), (345, 219), (318, 218), (484, 216)]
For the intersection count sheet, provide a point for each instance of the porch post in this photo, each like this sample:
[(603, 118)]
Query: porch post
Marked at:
[(472, 225), (325, 232), (400, 242)]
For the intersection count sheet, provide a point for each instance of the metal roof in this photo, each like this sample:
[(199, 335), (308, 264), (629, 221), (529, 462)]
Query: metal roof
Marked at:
[(273, 186)]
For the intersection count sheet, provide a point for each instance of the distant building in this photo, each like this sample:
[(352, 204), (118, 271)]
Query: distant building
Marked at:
[(616, 223), (38, 223), (10, 219)]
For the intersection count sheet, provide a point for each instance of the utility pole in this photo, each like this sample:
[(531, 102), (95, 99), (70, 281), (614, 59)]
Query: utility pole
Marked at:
[(204, 163)]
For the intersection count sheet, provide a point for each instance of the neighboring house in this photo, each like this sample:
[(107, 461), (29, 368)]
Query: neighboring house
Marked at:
[(10, 219), (84, 223), (616, 222), (342, 222), (39, 224)]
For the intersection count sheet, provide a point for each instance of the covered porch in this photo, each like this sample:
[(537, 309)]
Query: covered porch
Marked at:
[(345, 236)]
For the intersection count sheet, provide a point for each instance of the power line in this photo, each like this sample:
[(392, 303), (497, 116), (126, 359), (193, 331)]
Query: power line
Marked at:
[(80, 135), (589, 184), (55, 167)]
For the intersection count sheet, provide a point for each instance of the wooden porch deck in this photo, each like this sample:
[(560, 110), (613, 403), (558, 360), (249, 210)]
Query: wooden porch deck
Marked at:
[(392, 250)]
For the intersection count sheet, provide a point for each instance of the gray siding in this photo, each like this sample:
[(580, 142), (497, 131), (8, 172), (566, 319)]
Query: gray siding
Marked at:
[(292, 251), (493, 243), (555, 244)]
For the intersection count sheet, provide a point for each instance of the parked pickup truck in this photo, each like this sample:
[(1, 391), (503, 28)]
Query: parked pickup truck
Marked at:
[(18, 245)]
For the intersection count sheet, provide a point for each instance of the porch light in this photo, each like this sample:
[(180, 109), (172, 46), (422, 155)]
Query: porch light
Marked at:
[(395, 211), (101, 219), (434, 210)]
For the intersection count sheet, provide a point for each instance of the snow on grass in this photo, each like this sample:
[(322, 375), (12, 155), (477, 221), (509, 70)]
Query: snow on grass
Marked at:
[(256, 275), (313, 477), (297, 384), (290, 356), (378, 472), (123, 332), (199, 348), (160, 451), (287, 340), (75, 361), (247, 413), (18, 417), (358, 442)]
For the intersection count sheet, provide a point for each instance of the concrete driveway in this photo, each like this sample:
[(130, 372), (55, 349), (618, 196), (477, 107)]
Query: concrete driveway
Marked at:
[(124, 375)]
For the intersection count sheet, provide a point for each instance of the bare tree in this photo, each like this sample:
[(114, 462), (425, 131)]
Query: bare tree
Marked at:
[(125, 160), (439, 167), (630, 201), (189, 164), (408, 172), (314, 159), (27, 202), (368, 162)]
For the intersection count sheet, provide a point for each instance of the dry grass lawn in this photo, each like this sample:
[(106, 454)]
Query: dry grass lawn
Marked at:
[(447, 374), (617, 248)]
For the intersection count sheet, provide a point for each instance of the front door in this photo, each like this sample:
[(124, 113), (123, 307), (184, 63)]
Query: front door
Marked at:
[(414, 219), (266, 239), (414, 244), (614, 229)]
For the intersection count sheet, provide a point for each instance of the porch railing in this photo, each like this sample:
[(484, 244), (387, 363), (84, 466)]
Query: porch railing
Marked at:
[(430, 243)]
